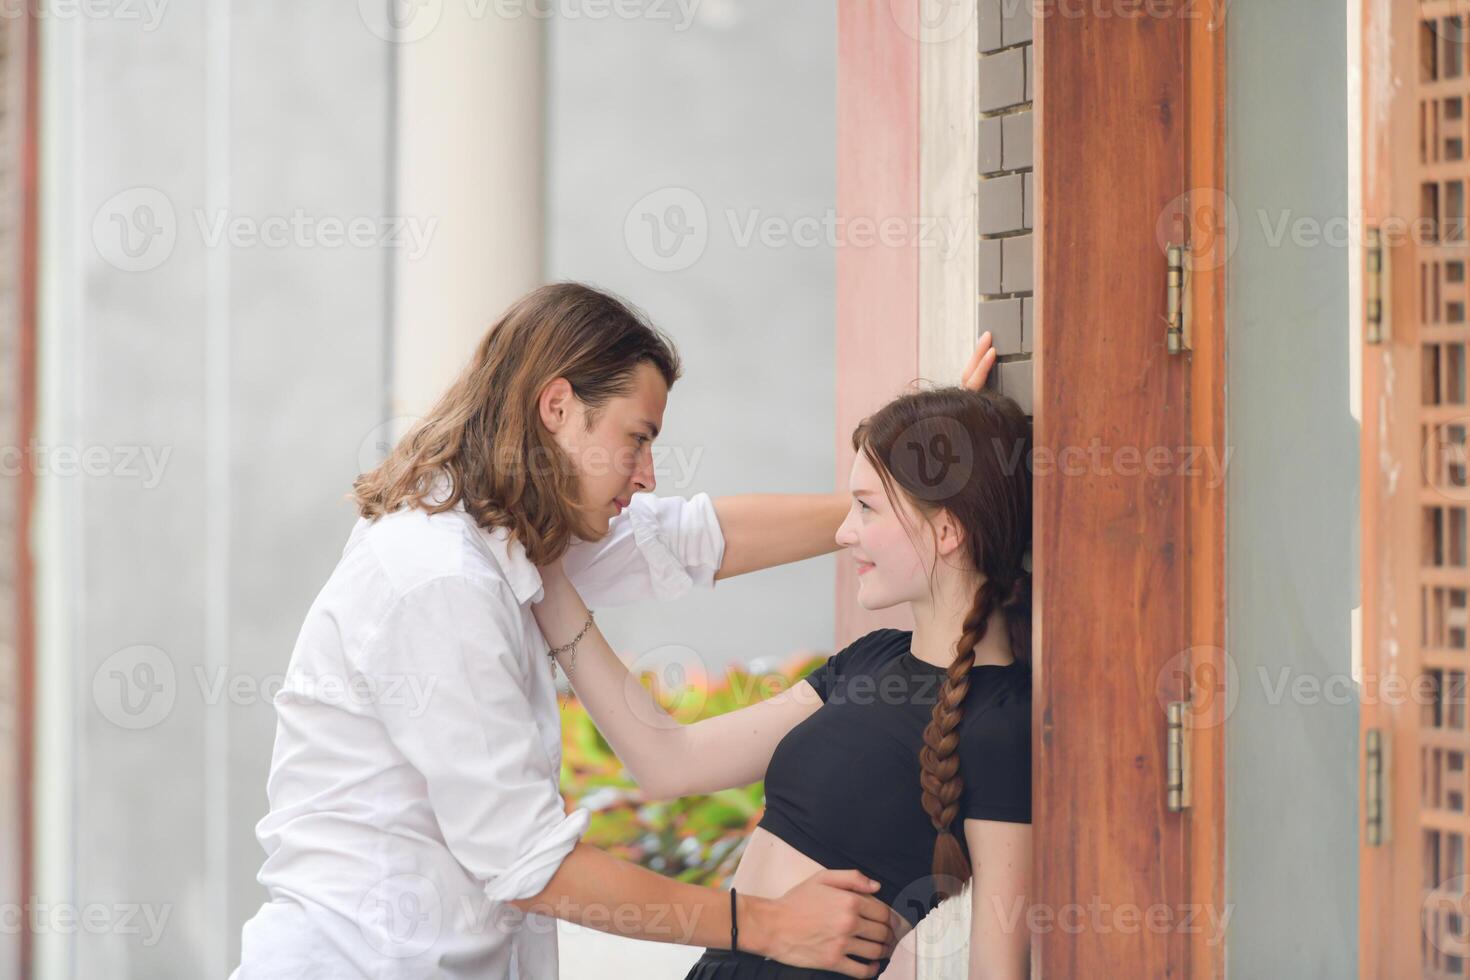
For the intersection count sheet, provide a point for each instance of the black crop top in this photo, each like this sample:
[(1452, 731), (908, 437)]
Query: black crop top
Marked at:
[(843, 786)]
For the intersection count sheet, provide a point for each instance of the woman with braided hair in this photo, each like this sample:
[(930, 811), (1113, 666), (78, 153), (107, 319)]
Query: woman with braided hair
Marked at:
[(907, 754)]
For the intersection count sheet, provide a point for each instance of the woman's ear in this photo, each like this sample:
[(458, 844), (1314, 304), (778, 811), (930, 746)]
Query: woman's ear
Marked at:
[(949, 536), (555, 404)]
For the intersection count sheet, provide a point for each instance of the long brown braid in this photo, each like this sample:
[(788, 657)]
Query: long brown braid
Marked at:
[(968, 453)]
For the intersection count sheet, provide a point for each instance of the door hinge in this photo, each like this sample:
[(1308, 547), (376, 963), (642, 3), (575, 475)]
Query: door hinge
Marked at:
[(1177, 756), (1375, 786), (1178, 329), (1374, 260)]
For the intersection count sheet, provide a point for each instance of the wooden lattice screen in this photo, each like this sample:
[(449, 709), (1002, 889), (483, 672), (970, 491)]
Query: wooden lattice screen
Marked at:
[(1442, 86)]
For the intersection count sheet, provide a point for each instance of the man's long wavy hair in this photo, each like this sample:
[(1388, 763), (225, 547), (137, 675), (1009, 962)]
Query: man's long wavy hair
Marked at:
[(969, 453), (485, 435)]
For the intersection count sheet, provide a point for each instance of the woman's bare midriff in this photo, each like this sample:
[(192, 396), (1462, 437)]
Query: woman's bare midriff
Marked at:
[(770, 867)]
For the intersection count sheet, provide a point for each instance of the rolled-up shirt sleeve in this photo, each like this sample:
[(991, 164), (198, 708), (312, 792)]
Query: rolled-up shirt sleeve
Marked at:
[(471, 731), (659, 548)]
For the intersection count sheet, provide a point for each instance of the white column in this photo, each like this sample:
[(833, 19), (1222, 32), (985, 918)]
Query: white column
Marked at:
[(949, 121), (470, 160)]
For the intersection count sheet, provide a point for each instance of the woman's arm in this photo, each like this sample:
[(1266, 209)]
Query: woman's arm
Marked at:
[(765, 530), (666, 758), (816, 924), (1000, 940)]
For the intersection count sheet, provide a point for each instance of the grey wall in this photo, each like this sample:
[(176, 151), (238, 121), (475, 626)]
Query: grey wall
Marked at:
[(258, 370), (254, 376), (1292, 501), (729, 121)]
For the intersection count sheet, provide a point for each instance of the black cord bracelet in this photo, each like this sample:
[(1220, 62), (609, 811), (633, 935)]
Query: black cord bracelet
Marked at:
[(734, 924)]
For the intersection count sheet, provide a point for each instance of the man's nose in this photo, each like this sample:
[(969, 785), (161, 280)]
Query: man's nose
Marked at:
[(643, 476)]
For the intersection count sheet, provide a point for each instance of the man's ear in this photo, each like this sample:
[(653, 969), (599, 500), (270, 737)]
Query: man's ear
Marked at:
[(555, 405)]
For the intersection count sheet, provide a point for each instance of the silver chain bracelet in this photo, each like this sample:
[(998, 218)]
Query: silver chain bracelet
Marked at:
[(572, 646), (554, 652)]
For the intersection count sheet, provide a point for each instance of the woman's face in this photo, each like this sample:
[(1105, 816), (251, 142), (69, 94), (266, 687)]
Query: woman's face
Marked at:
[(614, 458), (891, 568)]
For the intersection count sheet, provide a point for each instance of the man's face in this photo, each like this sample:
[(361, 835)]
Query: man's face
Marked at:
[(614, 457)]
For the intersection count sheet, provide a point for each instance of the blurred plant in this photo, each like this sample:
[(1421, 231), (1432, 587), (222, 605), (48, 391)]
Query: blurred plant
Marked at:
[(697, 839)]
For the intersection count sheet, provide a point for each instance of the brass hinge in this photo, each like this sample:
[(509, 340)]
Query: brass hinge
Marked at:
[(1177, 755), (1374, 260), (1178, 335), (1375, 786)]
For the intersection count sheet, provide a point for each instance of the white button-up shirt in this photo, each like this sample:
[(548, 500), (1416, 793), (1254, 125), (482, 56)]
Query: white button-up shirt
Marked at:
[(414, 783)]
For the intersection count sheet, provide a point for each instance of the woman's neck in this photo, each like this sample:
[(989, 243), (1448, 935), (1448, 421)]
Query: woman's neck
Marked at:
[(939, 621)]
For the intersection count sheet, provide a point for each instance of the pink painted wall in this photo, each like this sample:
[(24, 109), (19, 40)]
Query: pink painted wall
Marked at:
[(877, 285)]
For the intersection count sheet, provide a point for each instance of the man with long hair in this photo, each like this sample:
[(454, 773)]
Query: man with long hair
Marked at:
[(417, 829)]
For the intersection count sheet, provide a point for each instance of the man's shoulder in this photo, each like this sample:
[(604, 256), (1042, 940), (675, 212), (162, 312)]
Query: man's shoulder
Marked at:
[(412, 546)]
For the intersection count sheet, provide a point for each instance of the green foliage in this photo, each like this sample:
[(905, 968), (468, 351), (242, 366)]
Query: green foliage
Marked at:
[(697, 839)]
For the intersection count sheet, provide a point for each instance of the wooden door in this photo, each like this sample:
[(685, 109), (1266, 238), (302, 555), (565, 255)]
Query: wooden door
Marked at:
[(1128, 560), (1129, 557)]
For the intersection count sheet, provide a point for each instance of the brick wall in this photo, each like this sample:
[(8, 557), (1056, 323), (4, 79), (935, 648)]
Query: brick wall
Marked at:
[(1006, 191)]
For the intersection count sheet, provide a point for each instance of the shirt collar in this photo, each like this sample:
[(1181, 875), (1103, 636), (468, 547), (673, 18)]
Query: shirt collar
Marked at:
[(522, 575)]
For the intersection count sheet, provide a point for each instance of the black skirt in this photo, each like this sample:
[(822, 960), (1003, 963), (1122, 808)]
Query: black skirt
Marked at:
[(722, 964)]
